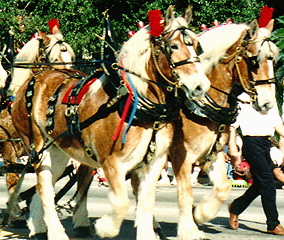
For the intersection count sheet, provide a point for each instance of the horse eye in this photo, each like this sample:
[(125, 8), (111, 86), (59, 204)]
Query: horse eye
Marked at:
[(174, 47), (199, 49)]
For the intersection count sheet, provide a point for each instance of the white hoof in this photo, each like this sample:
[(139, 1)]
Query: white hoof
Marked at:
[(106, 227), (191, 235)]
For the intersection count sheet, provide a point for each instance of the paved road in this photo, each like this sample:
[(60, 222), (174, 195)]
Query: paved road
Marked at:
[(252, 221)]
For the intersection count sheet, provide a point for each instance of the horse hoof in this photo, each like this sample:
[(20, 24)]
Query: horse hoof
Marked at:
[(19, 224), (39, 236), (82, 232)]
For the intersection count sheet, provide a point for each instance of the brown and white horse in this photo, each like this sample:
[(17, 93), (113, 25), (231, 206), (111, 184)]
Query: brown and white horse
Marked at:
[(43, 49), (170, 61), (232, 53)]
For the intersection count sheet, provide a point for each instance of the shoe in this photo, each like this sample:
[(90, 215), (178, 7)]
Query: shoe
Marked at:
[(233, 221), (279, 230)]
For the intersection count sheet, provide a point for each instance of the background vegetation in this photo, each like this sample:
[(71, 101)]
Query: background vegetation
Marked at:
[(81, 19)]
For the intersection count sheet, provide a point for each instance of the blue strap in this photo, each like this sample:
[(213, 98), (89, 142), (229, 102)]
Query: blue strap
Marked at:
[(134, 108)]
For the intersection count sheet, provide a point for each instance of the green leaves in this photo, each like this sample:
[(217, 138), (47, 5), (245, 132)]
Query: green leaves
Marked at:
[(81, 19)]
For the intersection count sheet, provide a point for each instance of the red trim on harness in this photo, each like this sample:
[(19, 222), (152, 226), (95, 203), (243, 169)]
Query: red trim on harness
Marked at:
[(67, 99), (66, 95), (126, 106)]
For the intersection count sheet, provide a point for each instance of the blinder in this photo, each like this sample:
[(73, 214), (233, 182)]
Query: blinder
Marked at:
[(252, 63)]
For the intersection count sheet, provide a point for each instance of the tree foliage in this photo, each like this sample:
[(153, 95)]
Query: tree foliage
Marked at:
[(81, 19), (278, 36)]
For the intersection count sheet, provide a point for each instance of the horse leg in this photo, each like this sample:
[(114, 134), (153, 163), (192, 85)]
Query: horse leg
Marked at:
[(11, 182), (182, 166), (208, 207), (11, 150), (109, 224), (149, 175), (135, 183), (51, 167), (80, 215), (35, 221)]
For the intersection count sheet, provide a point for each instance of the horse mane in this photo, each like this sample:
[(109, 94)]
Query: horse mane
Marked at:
[(134, 56), (3, 75), (30, 54), (216, 42), (30, 51), (136, 52)]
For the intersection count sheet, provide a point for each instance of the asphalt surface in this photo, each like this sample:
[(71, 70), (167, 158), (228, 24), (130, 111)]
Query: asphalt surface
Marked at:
[(252, 221)]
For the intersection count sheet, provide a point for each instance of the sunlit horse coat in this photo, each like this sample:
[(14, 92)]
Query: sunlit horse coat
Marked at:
[(156, 83), (232, 53)]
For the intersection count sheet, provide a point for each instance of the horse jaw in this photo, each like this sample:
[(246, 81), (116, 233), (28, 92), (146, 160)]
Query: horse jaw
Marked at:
[(266, 99), (196, 86)]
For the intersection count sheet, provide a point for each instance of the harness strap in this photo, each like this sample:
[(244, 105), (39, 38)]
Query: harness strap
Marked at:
[(187, 61)]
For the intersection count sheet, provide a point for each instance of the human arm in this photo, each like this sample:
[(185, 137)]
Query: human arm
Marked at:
[(280, 129), (234, 151)]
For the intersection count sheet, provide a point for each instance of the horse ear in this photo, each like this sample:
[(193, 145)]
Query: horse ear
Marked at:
[(44, 37), (169, 15), (270, 25), (253, 29), (188, 14), (56, 30)]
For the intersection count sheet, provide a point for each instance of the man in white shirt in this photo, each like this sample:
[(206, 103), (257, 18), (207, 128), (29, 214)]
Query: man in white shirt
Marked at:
[(256, 130)]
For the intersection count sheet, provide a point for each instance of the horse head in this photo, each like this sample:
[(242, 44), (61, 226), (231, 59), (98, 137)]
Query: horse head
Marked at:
[(53, 49), (169, 56), (246, 55), (257, 60), (43, 49)]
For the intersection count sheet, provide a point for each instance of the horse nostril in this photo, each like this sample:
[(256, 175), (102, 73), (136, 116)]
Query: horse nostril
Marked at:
[(266, 106), (198, 91)]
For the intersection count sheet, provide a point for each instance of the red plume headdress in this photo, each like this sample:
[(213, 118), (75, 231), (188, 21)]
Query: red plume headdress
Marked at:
[(155, 18), (265, 16), (52, 23)]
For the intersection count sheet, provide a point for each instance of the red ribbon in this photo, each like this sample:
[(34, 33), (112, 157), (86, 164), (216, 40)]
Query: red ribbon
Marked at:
[(126, 107)]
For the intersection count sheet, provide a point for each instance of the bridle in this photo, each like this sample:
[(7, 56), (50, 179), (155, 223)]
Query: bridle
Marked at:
[(165, 48), (43, 53), (252, 64)]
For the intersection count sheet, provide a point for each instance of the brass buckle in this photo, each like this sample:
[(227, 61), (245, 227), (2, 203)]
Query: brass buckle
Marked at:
[(222, 127), (254, 97), (156, 125)]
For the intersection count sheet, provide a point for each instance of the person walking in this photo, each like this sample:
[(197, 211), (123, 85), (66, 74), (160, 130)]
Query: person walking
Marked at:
[(257, 129)]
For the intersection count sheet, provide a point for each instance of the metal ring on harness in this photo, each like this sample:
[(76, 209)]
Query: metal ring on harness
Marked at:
[(222, 127), (115, 66), (156, 125)]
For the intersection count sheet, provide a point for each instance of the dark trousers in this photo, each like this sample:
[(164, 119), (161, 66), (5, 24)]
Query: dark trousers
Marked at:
[(256, 150)]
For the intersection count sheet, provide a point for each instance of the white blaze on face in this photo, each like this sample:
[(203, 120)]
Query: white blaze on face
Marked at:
[(66, 57), (266, 93), (199, 78), (271, 69)]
